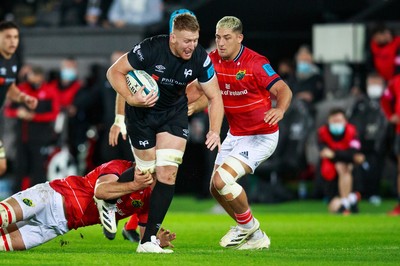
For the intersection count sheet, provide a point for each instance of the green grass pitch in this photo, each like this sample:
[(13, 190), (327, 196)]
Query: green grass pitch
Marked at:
[(302, 233)]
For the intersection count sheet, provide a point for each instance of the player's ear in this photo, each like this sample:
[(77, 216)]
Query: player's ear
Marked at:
[(240, 37), (172, 37)]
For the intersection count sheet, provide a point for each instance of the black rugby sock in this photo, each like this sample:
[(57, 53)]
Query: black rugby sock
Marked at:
[(160, 200)]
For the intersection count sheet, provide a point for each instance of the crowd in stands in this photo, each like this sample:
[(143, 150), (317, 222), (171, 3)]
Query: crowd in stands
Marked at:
[(93, 13)]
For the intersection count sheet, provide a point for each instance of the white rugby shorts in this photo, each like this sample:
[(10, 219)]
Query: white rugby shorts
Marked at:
[(43, 215), (251, 150)]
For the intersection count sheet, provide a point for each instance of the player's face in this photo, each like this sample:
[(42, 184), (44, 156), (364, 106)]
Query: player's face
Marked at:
[(9, 40), (183, 43), (228, 43)]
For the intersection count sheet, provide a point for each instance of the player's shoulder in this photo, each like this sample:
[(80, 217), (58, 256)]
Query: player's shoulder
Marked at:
[(252, 55), (115, 166), (156, 41)]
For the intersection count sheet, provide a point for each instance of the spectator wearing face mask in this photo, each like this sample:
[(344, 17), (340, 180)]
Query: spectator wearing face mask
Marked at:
[(390, 102), (68, 86), (339, 150), (35, 129), (307, 83), (371, 124)]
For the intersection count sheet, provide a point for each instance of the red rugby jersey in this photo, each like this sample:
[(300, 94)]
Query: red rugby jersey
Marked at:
[(245, 82), (78, 193)]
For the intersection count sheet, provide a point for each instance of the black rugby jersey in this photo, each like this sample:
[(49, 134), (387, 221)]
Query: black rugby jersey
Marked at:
[(8, 75), (172, 74)]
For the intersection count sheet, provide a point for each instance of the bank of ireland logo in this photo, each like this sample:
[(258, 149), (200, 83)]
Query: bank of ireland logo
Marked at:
[(240, 75)]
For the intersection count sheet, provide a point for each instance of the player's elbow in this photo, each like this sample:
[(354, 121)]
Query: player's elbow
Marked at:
[(101, 193)]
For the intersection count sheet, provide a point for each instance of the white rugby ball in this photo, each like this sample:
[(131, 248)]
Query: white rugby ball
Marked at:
[(135, 79)]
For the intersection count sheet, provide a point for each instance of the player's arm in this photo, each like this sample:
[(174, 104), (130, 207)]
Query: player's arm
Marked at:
[(283, 96), (116, 76), (215, 111), (197, 100), (16, 95), (107, 186), (119, 122)]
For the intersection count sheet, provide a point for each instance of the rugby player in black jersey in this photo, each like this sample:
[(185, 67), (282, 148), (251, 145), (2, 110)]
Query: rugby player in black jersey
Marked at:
[(9, 40), (157, 126)]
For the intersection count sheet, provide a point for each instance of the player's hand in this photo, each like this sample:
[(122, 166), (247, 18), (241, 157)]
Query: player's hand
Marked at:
[(359, 158), (29, 101), (191, 109), (213, 140), (138, 100), (273, 116), (24, 114), (166, 237), (327, 153), (142, 179), (394, 119), (113, 135)]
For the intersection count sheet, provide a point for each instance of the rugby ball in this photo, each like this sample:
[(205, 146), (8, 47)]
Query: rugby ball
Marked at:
[(135, 79)]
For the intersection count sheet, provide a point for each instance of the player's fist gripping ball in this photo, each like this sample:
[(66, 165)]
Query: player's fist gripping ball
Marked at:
[(138, 78)]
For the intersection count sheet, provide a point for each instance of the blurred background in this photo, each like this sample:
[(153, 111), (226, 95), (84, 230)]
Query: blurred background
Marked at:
[(333, 37)]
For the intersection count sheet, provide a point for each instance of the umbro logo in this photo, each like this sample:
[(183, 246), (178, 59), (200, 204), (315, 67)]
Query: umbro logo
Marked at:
[(245, 154)]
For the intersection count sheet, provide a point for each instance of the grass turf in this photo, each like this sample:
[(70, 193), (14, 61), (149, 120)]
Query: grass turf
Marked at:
[(302, 233)]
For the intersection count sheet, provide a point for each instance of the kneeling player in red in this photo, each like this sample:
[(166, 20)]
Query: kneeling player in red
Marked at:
[(34, 216)]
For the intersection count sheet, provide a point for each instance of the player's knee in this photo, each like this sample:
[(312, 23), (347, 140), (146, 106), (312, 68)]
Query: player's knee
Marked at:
[(7, 214), (233, 167), (226, 185), (145, 166), (169, 157)]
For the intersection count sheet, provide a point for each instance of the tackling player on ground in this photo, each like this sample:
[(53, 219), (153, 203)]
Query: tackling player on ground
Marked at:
[(34, 216), (246, 80)]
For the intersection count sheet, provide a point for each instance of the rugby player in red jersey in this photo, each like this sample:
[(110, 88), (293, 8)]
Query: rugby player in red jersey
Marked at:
[(34, 216), (246, 80)]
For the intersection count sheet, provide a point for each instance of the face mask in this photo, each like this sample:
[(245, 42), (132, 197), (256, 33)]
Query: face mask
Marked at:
[(68, 74), (303, 67), (374, 91), (336, 129)]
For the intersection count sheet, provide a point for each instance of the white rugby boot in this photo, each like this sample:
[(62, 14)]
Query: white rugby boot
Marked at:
[(237, 235), (107, 217), (152, 246), (262, 243)]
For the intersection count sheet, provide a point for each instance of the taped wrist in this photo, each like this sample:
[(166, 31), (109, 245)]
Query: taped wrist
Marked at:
[(120, 122)]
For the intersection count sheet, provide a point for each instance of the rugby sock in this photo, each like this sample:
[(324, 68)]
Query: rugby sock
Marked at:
[(160, 200), (245, 220), (345, 202), (352, 198), (132, 223), (5, 241)]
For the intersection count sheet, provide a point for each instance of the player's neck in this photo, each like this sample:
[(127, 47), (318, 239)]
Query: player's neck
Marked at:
[(5, 54), (233, 55)]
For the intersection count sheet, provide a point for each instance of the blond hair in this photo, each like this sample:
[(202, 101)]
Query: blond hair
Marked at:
[(230, 22), (186, 22)]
